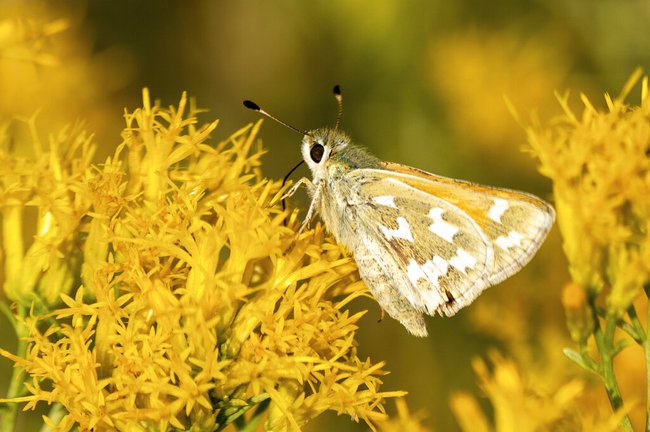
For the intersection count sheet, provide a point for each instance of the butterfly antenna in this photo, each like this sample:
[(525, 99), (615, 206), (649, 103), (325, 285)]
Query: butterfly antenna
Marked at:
[(339, 102), (254, 107)]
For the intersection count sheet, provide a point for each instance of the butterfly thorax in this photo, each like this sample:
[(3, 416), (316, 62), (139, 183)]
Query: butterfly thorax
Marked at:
[(331, 157)]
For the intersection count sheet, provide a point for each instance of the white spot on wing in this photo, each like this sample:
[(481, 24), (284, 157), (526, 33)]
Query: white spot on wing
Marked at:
[(462, 261), (440, 227), (403, 230), (430, 271), (435, 268), (498, 209), (513, 239), (415, 272), (385, 200)]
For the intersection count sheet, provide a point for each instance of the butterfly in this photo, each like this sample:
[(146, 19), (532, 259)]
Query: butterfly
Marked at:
[(423, 243)]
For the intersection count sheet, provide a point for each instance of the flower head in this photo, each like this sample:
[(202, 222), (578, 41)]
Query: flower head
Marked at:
[(195, 305), (600, 169), (520, 405)]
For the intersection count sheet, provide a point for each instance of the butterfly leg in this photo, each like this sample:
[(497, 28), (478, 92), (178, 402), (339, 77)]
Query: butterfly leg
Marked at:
[(302, 182), (314, 190), (388, 297)]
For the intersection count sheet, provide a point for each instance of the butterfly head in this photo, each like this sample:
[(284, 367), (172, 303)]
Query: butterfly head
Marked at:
[(319, 145)]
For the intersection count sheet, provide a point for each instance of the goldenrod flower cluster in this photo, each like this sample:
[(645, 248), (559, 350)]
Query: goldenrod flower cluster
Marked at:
[(600, 169), (164, 289), (161, 289), (599, 163)]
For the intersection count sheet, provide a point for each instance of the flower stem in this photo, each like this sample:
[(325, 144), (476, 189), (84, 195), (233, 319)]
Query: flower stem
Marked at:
[(635, 328), (605, 344), (16, 385), (646, 349)]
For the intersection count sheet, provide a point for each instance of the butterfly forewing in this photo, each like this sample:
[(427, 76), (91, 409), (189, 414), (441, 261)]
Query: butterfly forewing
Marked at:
[(435, 254), (516, 223), (445, 241)]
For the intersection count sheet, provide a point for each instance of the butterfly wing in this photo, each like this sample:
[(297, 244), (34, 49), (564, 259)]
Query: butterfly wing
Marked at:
[(444, 241), (516, 223)]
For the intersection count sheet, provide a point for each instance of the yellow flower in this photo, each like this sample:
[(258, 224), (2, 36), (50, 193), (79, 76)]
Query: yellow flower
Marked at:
[(601, 181), (197, 306), (403, 421), (473, 70), (519, 406), (600, 167), (48, 185), (49, 64)]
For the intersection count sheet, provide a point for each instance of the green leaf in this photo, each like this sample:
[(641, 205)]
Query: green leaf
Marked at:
[(251, 426), (577, 358), (620, 346)]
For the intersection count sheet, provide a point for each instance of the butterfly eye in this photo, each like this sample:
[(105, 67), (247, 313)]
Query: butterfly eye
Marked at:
[(317, 152)]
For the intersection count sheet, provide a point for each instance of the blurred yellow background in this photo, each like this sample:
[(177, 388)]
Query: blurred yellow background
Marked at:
[(424, 84)]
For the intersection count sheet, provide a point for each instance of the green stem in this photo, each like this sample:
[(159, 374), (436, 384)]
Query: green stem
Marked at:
[(257, 416), (636, 324), (16, 385), (646, 348), (605, 344)]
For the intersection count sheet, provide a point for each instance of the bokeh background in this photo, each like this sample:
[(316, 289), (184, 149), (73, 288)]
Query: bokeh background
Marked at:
[(424, 83)]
